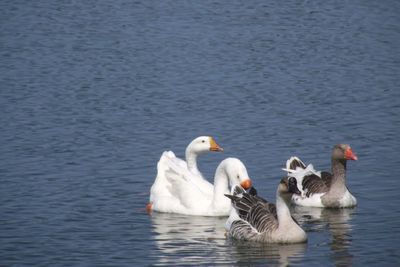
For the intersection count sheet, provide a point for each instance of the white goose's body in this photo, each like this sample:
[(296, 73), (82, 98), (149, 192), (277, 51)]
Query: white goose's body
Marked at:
[(322, 189), (183, 195), (161, 186), (255, 219)]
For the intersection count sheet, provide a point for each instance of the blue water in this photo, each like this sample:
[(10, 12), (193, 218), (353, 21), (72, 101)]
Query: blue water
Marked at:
[(92, 92)]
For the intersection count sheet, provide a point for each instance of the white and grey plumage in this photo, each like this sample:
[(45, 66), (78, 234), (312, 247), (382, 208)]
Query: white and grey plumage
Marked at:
[(255, 219), (323, 189)]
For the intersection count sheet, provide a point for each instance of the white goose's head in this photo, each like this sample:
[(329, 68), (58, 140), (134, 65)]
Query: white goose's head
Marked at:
[(203, 144), (237, 173)]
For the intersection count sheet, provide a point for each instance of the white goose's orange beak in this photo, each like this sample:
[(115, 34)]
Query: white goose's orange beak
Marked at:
[(214, 146), (246, 184)]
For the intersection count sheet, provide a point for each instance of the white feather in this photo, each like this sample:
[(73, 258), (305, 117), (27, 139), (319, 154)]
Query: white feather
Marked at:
[(182, 194)]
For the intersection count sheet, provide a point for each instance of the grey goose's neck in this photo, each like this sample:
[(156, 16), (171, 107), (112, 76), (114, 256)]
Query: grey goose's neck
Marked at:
[(283, 212), (288, 230), (339, 169), (338, 182)]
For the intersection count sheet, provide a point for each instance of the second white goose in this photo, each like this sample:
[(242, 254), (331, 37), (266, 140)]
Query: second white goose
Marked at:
[(185, 197)]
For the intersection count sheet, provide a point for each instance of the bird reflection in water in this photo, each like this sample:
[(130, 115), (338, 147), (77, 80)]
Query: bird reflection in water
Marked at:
[(182, 239), (188, 239), (259, 254), (337, 221)]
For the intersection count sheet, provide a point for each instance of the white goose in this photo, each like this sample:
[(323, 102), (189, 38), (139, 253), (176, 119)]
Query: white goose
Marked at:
[(323, 189), (198, 146), (185, 197), (255, 219)]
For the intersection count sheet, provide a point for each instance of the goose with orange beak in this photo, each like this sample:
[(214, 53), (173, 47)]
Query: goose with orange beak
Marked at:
[(185, 197), (323, 189), (253, 218), (197, 147)]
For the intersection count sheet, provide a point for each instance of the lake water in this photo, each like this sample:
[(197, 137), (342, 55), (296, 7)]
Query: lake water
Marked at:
[(92, 92)]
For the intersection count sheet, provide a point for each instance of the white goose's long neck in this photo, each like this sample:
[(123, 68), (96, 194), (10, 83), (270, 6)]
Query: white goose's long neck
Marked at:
[(283, 212), (191, 160), (221, 185)]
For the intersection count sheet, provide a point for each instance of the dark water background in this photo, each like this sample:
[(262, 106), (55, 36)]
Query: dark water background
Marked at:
[(92, 92)]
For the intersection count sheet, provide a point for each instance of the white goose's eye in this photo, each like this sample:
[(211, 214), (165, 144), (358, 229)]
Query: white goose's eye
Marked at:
[(203, 141), (237, 176)]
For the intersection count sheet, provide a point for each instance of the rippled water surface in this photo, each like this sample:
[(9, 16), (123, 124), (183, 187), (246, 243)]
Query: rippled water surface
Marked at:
[(92, 92)]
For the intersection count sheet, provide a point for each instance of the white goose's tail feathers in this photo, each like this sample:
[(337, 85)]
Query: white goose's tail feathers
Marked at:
[(173, 171), (173, 175)]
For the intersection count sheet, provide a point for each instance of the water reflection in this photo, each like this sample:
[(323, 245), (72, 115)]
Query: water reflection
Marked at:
[(247, 253), (188, 239), (338, 223), (182, 239)]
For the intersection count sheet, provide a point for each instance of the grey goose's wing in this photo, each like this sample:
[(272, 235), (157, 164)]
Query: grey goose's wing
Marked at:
[(313, 184), (269, 206), (327, 178), (254, 193), (242, 230), (263, 217), (256, 213)]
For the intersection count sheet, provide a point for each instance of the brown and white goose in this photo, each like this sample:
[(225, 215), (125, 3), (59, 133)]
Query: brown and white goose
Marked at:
[(323, 189), (252, 218)]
